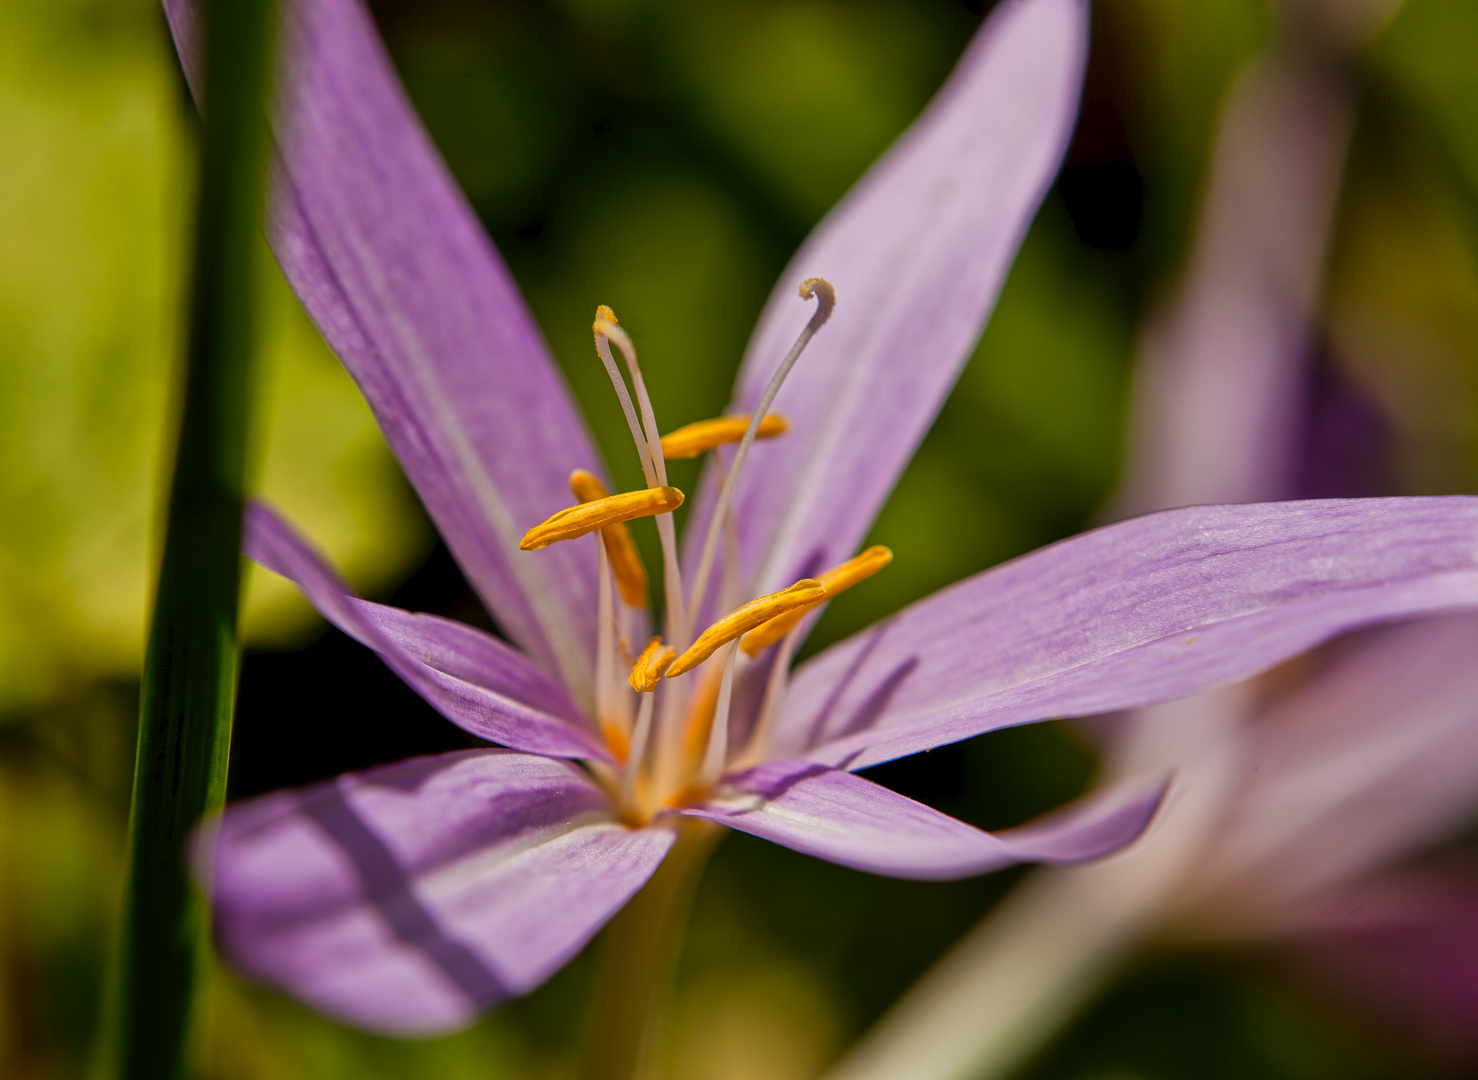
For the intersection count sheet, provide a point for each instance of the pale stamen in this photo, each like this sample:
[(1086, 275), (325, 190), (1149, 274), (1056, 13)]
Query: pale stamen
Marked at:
[(744, 619), (650, 666), (576, 521), (706, 435), (626, 564), (837, 579), (718, 735), (825, 300)]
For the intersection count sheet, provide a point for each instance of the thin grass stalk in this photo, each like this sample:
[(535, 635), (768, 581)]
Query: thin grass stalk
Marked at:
[(189, 680)]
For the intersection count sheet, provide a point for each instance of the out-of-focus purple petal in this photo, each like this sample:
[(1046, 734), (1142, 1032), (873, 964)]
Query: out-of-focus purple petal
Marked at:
[(1403, 949), (1143, 611), (479, 685), (408, 898), (1373, 756), (395, 269), (850, 820), (917, 252), (1221, 374)]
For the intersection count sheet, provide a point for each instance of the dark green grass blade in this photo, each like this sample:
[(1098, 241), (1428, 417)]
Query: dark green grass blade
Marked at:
[(189, 680)]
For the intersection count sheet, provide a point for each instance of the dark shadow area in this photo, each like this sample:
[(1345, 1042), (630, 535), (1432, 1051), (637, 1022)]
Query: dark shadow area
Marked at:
[(386, 886), (334, 706)]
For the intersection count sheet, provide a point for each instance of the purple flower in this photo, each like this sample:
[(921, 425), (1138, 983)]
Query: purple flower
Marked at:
[(407, 898)]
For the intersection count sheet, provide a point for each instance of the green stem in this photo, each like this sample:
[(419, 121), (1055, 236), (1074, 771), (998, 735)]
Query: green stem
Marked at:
[(189, 681), (637, 956)]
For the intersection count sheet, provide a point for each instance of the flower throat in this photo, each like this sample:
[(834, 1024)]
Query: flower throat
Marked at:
[(669, 735)]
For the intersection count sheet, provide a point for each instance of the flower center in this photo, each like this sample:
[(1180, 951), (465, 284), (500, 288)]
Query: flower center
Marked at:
[(667, 722)]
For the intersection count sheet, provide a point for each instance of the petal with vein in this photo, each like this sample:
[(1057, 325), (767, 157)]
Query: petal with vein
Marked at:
[(1135, 613), (397, 272), (409, 898), (472, 680), (850, 820), (917, 251)]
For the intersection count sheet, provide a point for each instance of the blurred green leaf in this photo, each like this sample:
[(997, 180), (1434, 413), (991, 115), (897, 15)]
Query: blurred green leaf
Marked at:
[(93, 205)]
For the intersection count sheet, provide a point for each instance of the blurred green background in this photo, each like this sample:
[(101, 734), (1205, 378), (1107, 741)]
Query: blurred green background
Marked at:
[(676, 129)]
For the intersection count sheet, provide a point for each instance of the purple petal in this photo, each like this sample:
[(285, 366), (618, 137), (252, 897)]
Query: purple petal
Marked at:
[(917, 252), (474, 681), (850, 820), (408, 898), (1220, 378), (395, 269), (1374, 756), (1403, 950), (1139, 612)]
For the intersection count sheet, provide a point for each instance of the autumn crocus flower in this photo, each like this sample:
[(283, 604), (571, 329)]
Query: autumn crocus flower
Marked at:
[(407, 898)]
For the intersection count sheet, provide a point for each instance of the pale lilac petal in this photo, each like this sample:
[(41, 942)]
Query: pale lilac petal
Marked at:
[(472, 680), (398, 274), (917, 252), (1220, 377), (407, 899), (1139, 612), (850, 820), (1374, 756)]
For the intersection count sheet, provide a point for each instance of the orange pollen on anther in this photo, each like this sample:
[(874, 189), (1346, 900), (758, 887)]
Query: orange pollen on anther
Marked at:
[(653, 662), (742, 620), (575, 521), (626, 565), (837, 579), (699, 438)]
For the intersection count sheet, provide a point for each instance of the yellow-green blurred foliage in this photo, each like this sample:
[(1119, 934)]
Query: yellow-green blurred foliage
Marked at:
[(95, 199), (94, 211)]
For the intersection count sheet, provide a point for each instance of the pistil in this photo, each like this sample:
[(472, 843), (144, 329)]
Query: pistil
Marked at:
[(718, 734), (649, 450), (825, 300)]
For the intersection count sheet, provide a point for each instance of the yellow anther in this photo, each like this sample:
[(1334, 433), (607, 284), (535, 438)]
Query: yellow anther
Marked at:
[(576, 521), (626, 564), (744, 619), (858, 568), (650, 666), (695, 439), (604, 315)]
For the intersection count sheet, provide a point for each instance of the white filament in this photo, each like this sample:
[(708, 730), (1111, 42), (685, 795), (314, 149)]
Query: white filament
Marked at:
[(638, 749), (759, 739), (718, 735), (654, 466)]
